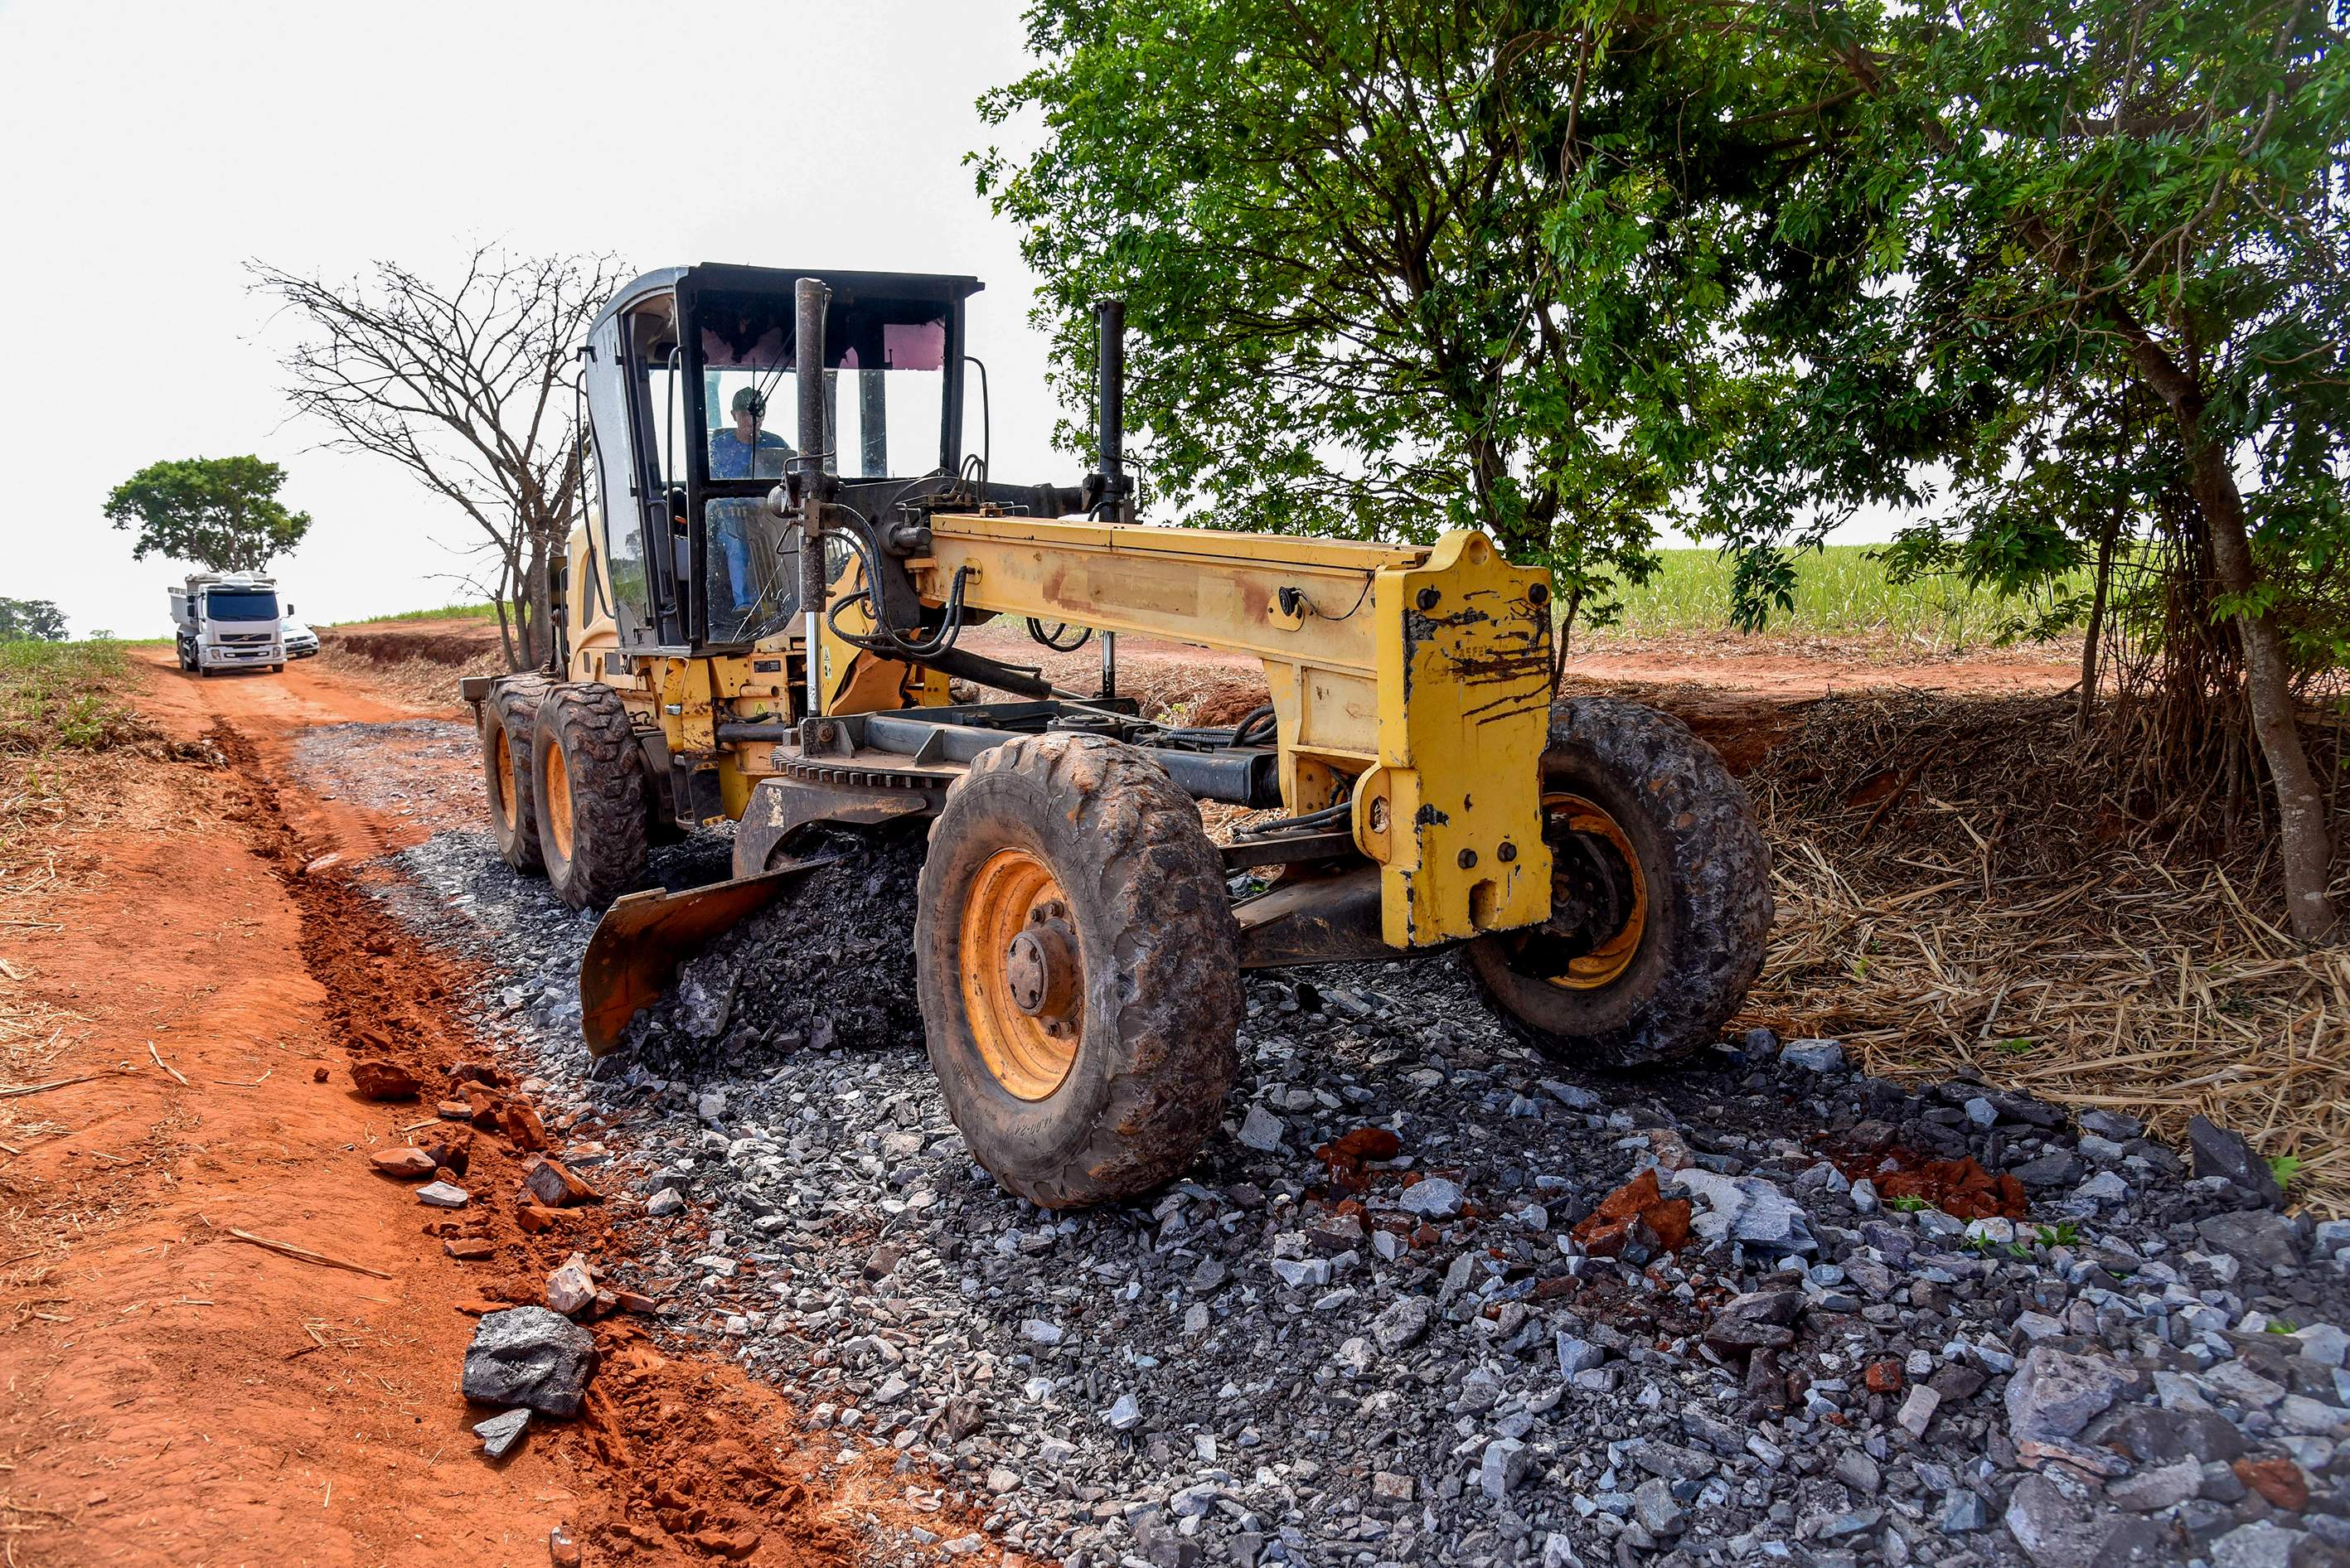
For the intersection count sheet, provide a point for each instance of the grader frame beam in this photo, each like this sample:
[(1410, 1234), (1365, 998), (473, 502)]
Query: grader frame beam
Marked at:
[(1414, 681), (1410, 683)]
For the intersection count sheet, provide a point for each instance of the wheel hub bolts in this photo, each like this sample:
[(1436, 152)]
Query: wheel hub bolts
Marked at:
[(1041, 966)]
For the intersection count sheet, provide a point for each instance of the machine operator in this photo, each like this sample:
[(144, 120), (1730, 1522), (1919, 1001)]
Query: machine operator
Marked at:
[(742, 452)]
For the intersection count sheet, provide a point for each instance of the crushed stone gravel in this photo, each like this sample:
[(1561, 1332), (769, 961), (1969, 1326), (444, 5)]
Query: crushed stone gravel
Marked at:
[(1288, 1356)]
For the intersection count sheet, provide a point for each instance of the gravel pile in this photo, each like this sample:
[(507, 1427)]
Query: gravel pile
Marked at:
[(1330, 1344), (427, 769), (830, 964)]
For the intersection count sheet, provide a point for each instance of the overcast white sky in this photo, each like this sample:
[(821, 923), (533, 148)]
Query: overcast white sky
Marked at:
[(147, 151)]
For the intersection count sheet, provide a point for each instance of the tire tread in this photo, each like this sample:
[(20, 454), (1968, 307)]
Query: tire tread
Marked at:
[(1142, 857), (1719, 860), (610, 847), (513, 704)]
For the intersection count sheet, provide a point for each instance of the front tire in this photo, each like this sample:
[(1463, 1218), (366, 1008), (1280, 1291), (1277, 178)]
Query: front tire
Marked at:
[(1660, 895), (509, 727), (585, 768), (1078, 969)]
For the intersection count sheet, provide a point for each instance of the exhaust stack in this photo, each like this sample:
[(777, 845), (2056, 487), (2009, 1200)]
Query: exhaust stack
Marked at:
[(1114, 489), (809, 299)]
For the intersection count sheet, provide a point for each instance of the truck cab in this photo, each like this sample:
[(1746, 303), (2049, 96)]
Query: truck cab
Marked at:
[(228, 621)]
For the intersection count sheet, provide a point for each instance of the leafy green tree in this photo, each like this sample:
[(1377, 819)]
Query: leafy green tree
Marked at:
[(2060, 278), (1402, 265), (36, 620), (2088, 254), (222, 512)]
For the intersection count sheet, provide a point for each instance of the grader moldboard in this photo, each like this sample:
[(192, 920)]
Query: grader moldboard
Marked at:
[(765, 630)]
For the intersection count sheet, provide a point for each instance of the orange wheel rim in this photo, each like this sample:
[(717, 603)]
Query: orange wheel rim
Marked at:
[(1604, 963), (1023, 975), (555, 801), (502, 754)]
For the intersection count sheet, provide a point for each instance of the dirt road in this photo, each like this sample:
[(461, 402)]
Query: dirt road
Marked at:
[(178, 1395)]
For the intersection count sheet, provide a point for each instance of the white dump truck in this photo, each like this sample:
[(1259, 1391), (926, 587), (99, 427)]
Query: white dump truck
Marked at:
[(228, 620)]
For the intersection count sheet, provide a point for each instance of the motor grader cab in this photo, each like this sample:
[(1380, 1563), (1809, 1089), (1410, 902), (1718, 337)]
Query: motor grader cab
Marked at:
[(761, 626)]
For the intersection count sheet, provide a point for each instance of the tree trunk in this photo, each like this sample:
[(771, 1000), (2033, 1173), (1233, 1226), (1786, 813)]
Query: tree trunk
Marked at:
[(542, 605), (2097, 618), (2303, 842), (505, 634), (501, 596), (525, 600)]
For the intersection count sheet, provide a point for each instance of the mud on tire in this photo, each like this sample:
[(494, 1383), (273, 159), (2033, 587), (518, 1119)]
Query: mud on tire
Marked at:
[(1152, 984), (1702, 865), (587, 779), (509, 721)]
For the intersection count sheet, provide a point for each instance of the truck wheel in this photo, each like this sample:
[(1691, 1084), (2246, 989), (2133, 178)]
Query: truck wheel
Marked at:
[(1660, 894), (591, 795), (509, 721), (1078, 969)]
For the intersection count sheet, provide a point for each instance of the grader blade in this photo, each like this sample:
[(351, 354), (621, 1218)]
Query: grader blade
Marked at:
[(634, 956)]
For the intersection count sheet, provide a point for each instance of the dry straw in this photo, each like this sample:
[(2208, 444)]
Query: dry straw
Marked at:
[(1956, 889)]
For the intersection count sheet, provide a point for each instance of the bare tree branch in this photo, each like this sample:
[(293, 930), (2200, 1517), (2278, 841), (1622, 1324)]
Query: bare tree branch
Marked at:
[(466, 387)]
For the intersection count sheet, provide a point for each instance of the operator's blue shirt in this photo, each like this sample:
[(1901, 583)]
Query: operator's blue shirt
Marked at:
[(731, 459), (734, 522)]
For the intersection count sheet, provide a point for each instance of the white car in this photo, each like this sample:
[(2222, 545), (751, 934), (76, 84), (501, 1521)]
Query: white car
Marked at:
[(301, 642)]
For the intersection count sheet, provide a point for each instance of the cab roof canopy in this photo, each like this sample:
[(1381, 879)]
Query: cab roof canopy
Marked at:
[(847, 287)]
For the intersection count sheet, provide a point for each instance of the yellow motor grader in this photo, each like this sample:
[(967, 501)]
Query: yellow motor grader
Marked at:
[(764, 630)]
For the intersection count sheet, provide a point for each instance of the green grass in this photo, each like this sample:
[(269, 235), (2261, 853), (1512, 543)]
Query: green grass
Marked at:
[(1840, 592), (446, 612), (2286, 1170), (65, 695)]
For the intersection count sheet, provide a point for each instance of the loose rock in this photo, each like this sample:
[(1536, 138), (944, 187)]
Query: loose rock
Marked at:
[(553, 1184), (499, 1434), (1434, 1199), (531, 1356), (377, 1079), (2053, 1394), (406, 1164), (2225, 1154), (571, 1289)]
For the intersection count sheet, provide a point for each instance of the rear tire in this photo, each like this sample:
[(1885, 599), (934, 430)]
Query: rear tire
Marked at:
[(588, 771), (1078, 969), (1662, 895), (509, 725)]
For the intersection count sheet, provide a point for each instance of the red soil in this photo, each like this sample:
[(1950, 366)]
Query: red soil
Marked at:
[(177, 1395)]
